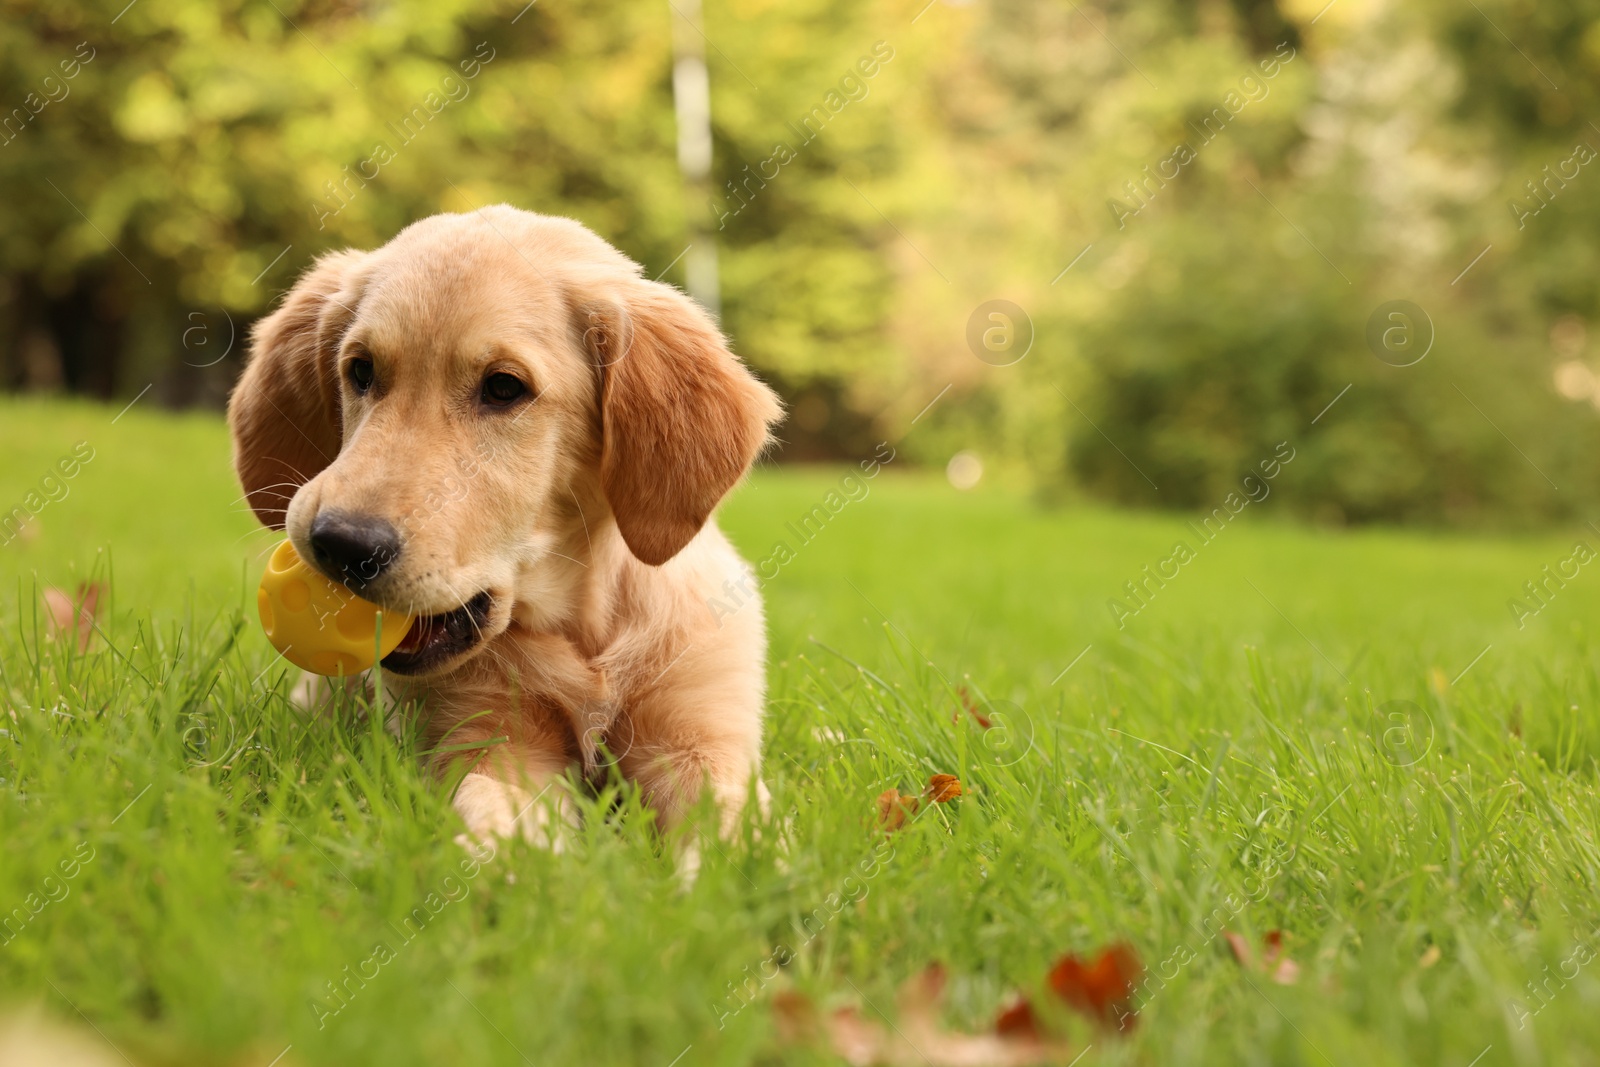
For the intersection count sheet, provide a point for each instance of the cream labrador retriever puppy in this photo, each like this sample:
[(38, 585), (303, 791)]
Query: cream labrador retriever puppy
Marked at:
[(496, 423)]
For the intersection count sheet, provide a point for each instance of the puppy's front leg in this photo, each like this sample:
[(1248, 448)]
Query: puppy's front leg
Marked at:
[(515, 786), (677, 745), (493, 808), (519, 750)]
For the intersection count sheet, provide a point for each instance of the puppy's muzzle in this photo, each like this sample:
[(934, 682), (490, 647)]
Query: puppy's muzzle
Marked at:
[(353, 548), (436, 640)]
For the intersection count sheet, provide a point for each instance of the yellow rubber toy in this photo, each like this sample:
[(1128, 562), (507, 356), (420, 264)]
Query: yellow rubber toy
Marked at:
[(319, 625)]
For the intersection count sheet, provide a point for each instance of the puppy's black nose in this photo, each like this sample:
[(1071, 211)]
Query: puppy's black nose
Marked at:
[(355, 548)]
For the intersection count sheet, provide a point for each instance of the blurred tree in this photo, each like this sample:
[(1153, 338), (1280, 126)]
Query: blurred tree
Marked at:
[(808, 139), (200, 154), (1238, 188), (203, 154), (1198, 206)]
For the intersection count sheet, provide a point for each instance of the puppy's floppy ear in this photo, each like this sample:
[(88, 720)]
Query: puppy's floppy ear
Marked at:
[(284, 413), (681, 417)]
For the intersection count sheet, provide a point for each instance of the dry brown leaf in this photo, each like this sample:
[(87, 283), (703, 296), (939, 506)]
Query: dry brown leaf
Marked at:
[(1274, 962), (1101, 989), (1286, 972), (971, 707), (1018, 1020), (794, 1016), (77, 613), (894, 809), (915, 1039), (1277, 963), (1241, 950), (28, 1039), (1430, 957)]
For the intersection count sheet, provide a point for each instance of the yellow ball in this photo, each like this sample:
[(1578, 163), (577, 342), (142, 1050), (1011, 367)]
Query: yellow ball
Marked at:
[(319, 625)]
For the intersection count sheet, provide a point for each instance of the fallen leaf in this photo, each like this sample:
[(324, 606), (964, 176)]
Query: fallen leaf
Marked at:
[(922, 994), (1430, 957), (1017, 1020), (1274, 962), (1272, 942), (1279, 966), (59, 610), (894, 809), (794, 1017), (78, 612), (1287, 972), (915, 1039), (972, 709), (1102, 989), (1241, 950), (943, 788), (28, 1038)]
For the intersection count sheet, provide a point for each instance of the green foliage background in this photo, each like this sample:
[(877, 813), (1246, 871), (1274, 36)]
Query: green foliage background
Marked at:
[(169, 192)]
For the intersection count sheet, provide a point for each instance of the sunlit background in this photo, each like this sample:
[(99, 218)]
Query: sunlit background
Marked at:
[(1197, 217), (1054, 293)]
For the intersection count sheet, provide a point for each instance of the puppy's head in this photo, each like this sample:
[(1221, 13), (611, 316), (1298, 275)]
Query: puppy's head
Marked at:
[(423, 420)]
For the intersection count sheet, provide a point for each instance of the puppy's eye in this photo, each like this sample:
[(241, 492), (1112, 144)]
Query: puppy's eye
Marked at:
[(502, 390), (359, 370)]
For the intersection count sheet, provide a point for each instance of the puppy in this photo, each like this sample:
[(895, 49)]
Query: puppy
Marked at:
[(494, 422)]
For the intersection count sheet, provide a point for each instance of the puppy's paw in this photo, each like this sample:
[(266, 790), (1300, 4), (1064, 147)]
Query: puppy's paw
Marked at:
[(311, 692), (732, 802), (688, 869), (492, 808), (319, 696), (763, 800)]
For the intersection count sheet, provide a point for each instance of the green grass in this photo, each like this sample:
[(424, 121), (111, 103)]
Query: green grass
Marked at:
[(1218, 761)]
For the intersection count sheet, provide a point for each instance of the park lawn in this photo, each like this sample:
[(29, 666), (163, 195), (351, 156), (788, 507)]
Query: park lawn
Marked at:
[(1344, 736)]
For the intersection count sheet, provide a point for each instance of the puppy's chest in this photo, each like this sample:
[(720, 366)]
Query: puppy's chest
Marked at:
[(542, 682)]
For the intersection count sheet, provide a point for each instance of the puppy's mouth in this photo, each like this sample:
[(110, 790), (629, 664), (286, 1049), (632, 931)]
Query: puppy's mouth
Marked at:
[(434, 640)]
